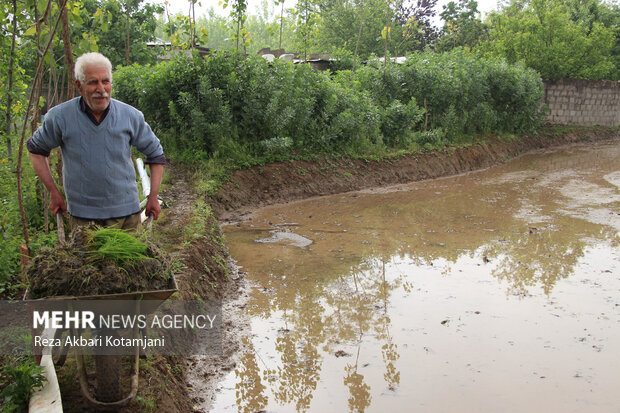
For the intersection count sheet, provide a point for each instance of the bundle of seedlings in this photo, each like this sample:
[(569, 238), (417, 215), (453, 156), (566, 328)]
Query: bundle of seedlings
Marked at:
[(97, 261)]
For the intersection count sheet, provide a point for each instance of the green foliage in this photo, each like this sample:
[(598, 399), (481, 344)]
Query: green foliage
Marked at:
[(340, 26), (198, 224), (238, 15), (23, 376), (105, 21), (10, 225), (362, 27), (463, 93), (462, 26), (245, 110), (557, 40), (399, 120), (20, 78), (308, 17), (260, 30)]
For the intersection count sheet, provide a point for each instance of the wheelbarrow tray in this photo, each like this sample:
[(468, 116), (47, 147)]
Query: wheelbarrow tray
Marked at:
[(149, 300)]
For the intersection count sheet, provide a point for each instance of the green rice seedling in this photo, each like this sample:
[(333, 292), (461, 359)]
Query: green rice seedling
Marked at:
[(117, 246)]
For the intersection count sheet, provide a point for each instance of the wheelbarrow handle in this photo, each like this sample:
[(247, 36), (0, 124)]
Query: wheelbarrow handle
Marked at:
[(61, 228), (149, 223)]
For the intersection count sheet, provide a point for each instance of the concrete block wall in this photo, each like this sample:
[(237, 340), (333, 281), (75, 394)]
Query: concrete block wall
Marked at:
[(583, 102)]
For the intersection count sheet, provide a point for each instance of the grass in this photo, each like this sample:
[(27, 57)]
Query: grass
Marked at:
[(196, 227)]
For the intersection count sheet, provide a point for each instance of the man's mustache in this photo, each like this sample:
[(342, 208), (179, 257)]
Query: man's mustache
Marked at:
[(100, 95)]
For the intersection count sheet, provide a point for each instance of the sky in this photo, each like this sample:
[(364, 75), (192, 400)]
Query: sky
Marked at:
[(182, 6)]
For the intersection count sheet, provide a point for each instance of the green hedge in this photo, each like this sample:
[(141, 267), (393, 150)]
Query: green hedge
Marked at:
[(202, 107)]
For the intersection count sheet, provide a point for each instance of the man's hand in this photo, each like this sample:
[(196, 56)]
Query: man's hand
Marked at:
[(152, 204), (57, 202), (152, 207)]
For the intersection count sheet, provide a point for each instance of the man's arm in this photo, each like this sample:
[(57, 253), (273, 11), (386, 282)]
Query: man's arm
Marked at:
[(152, 204), (42, 169)]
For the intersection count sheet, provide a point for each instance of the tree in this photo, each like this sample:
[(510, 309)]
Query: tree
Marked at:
[(14, 22), (462, 26), (10, 78), (308, 17), (415, 17), (589, 12), (544, 35), (281, 4), (355, 26), (119, 28), (238, 14)]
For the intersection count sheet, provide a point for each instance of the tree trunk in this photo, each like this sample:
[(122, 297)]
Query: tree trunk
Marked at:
[(37, 81), (307, 33), (359, 36), (237, 37), (66, 40), (192, 28), (169, 21), (281, 23), (245, 51), (69, 70), (127, 36), (9, 93), (387, 35)]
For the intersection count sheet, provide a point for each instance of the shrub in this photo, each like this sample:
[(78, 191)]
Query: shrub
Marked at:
[(24, 376), (247, 108)]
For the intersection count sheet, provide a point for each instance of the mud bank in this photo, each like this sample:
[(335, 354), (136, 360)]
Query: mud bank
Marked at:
[(281, 182)]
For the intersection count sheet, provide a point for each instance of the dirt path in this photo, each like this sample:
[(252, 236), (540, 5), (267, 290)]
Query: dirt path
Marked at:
[(202, 278)]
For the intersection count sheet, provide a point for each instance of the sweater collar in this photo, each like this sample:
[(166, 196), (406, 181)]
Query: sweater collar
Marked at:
[(84, 108)]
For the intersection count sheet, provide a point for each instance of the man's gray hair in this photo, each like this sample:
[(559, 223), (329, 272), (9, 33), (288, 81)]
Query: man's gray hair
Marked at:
[(91, 59)]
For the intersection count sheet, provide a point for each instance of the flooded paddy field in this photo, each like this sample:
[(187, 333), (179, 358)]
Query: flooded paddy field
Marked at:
[(491, 291)]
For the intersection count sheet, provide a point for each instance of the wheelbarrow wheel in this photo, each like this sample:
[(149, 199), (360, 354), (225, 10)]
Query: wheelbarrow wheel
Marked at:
[(108, 376)]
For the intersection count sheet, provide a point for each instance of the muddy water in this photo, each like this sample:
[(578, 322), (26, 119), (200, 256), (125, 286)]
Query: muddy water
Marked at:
[(492, 291)]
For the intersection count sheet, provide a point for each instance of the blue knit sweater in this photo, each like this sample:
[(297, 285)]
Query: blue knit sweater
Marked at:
[(98, 173)]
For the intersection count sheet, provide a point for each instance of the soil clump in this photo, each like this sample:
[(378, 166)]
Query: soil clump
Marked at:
[(73, 269)]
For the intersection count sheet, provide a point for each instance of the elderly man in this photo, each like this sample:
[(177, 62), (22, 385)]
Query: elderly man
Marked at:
[(95, 134)]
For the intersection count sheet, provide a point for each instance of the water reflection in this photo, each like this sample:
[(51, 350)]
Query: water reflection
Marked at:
[(328, 308), (359, 391), (250, 389)]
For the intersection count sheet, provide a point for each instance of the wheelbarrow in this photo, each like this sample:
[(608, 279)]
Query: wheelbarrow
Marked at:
[(108, 369)]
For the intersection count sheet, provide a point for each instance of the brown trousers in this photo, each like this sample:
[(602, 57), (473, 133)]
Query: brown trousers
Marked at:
[(131, 222)]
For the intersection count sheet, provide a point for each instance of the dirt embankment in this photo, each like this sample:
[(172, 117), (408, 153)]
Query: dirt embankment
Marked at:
[(290, 181)]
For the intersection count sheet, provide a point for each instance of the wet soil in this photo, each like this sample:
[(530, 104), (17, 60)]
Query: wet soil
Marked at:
[(249, 190)]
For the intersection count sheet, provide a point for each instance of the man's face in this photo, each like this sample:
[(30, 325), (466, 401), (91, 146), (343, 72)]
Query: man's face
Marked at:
[(96, 89)]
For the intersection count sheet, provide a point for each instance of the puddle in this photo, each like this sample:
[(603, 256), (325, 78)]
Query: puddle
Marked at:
[(287, 238), (491, 291)]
